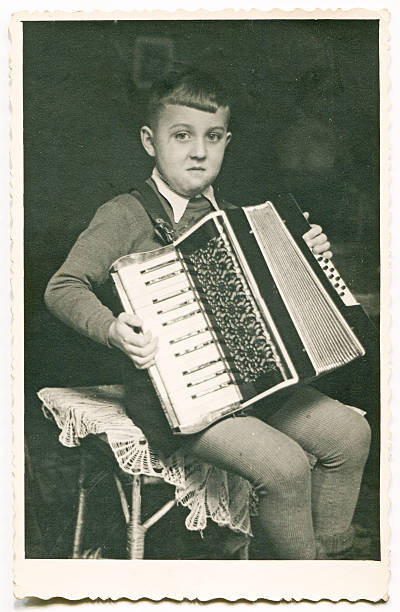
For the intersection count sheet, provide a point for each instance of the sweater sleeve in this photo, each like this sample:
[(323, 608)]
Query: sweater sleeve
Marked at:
[(70, 294)]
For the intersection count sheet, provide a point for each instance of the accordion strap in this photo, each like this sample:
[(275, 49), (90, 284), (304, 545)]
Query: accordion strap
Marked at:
[(152, 205)]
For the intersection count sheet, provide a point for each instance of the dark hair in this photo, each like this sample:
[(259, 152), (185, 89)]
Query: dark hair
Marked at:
[(189, 87)]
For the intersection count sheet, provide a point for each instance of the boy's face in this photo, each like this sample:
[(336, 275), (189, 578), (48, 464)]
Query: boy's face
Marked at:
[(188, 146)]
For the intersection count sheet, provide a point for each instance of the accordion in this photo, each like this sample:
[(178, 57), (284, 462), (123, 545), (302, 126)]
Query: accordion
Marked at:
[(242, 309)]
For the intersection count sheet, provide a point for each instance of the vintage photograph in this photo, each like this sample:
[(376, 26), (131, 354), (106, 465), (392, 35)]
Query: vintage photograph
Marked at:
[(202, 289)]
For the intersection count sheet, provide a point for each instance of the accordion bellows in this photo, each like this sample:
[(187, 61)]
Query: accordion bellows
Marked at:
[(241, 308)]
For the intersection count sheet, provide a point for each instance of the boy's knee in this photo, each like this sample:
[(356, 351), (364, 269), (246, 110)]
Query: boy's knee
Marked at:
[(289, 473), (359, 439), (352, 441)]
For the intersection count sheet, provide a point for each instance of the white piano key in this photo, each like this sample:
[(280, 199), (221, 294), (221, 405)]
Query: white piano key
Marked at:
[(181, 393), (198, 358), (157, 264), (133, 286), (192, 411), (172, 376), (211, 372), (165, 278), (185, 313), (167, 288), (142, 295), (175, 303), (193, 344), (217, 399), (182, 328), (193, 334), (209, 385), (157, 260), (171, 293), (180, 373), (154, 275)]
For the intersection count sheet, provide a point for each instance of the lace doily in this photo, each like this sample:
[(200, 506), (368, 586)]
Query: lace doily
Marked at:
[(208, 492)]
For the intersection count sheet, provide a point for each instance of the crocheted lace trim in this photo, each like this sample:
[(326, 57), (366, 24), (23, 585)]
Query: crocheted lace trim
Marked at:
[(208, 492)]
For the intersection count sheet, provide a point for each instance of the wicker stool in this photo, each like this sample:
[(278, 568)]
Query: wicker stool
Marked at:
[(79, 413), (135, 529)]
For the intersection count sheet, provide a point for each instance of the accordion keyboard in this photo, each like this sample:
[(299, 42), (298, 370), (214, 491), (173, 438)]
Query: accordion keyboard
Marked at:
[(188, 356)]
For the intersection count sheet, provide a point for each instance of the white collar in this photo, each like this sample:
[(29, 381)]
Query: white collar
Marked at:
[(179, 203)]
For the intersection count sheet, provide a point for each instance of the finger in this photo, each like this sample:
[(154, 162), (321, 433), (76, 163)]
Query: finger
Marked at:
[(321, 248), (148, 350), (314, 231), (321, 239), (147, 336), (143, 363), (146, 365), (327, 255), (136, 339), (130, 319), (310, 235), (129, 338), (142, 352), (141, 340)]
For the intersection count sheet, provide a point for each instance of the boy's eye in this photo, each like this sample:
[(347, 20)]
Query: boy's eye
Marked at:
[(214, 136), (182, 135)]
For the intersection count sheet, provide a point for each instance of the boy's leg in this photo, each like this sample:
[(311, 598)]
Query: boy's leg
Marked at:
[(339, 437), (279, 470)]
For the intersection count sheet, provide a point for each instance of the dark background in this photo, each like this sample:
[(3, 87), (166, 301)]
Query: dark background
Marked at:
[(305, 119)]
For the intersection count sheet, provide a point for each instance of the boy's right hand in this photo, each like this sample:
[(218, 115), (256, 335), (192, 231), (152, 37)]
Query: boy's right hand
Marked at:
[(140, 347)]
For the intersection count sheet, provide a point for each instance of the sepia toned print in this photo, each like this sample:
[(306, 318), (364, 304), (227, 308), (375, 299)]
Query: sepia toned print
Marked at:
[(199, 267)]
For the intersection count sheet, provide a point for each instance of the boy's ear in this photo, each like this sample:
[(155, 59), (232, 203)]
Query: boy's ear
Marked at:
[(228, 138), (146, 135)]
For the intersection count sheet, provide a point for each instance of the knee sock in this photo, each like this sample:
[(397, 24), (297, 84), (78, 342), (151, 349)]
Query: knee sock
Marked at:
[(279, 470)]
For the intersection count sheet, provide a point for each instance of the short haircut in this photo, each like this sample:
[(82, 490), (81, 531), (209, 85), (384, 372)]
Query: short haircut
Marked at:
[(193, 88)]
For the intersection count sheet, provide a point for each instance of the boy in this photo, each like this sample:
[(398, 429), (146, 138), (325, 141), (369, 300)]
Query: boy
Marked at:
[(301, 512)]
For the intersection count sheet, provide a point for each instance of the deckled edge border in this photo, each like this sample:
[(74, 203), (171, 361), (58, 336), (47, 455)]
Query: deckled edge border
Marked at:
[(23, 568)]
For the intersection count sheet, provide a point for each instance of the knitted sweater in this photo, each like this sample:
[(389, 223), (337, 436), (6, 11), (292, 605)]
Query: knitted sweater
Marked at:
[(119, 227)]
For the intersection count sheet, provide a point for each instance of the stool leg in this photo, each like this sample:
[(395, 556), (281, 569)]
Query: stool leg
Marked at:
[(136, 532), (244, 552), (77, 545), (123, 500)]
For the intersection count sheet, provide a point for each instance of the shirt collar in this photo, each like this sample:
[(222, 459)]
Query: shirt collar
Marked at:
[(179, 203)]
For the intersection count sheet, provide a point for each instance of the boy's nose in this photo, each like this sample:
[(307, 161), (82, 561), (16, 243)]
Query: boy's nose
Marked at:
[(199, 149)]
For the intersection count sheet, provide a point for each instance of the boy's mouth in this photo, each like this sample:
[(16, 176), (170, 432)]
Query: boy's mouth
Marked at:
[(197, 168)]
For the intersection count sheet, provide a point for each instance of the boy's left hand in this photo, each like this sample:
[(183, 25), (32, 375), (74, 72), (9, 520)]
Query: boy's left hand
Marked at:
[(317, 240)]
